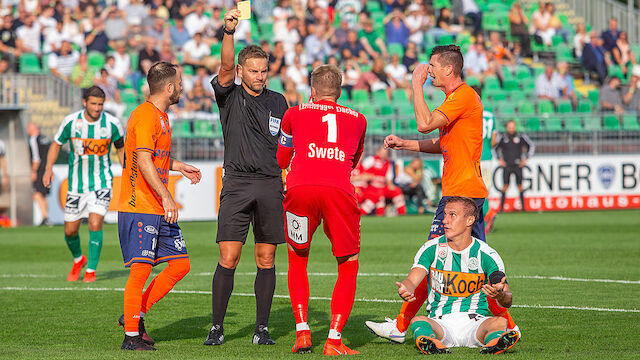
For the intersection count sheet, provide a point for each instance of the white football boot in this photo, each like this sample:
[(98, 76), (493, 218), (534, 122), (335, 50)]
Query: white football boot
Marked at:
[(387, 330)]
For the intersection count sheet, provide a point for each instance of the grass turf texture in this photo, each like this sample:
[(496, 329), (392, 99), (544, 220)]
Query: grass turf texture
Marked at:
[(82, 324)]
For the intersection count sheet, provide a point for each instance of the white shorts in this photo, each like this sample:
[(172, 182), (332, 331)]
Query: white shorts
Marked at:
[(460, 329), (78, 206)]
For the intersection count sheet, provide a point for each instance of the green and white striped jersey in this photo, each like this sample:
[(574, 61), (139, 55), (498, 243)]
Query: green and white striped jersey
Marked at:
[(89, 162), (488, 129), (456, 277)]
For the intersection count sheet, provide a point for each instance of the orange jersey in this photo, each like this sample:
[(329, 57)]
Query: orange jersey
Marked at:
[(461, 143), (148, 130)]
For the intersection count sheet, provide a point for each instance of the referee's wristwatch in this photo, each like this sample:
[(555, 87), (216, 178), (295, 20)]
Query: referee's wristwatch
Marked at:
[(224, 28)]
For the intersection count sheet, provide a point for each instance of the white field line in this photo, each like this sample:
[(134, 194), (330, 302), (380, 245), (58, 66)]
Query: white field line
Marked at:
[(320, 274), (365, 300)]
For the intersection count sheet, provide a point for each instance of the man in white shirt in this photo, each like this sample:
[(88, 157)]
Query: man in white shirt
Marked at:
[(475, 61), (61, 63), (197, 21), (397, 72), (52, 39), (416, 22), (195, 50), (28, 36), (122, 65), (548, 87)]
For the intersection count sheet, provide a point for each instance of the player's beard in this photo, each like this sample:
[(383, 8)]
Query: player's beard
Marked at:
[(175, 97)]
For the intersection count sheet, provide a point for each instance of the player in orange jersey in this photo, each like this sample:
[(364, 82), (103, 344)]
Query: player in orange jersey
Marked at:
[(459, 121), (147, 213)]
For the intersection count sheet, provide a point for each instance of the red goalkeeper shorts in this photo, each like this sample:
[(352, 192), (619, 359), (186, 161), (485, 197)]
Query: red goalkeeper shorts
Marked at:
[(306, 205)]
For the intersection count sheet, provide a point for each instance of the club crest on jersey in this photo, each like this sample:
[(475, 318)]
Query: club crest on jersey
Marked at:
[(274, 125), (472, 264), (104, 132), (442, 251)]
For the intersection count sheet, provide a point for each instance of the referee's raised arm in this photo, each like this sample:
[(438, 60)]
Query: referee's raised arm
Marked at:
[(227, 73)]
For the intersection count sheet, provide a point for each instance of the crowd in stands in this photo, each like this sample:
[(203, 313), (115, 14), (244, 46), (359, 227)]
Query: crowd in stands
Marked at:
[(377, 42)]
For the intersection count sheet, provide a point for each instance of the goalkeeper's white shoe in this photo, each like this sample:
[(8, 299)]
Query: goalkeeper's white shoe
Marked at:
[(387, 330)]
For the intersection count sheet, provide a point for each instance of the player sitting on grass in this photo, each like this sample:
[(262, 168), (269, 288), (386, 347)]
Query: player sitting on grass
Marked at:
[(458, 266)]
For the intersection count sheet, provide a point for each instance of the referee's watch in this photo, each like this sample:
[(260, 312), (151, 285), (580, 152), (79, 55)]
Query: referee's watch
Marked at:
[(224, 28)]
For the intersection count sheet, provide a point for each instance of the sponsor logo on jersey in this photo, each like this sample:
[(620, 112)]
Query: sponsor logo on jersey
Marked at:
[(148, 253), (297, 228), (98, 147), (456, 284), (606, 173), (516, 140), (274, 125), (151, 230), (179, 244)]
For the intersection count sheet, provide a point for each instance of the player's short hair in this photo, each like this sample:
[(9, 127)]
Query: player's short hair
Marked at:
[(327, 80), (251, 52), (160, 74), (450, 55), (94, 91), (470, 207)]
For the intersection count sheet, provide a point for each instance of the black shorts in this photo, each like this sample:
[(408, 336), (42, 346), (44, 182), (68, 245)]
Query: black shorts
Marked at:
[(255, 201), (38, 186), (507, 171)]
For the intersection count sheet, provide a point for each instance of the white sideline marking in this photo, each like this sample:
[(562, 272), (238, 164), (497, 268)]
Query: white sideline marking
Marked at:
[(200, 292), (532, 277)]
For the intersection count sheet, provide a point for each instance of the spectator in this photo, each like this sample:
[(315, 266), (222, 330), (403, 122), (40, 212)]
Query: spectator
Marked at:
[(288, 35), (39, 147), (397, 73), (28, 36), (115, 27), (476, 62), (166, 52), (410, 182), (71, 29), (371, 42), (299, 52), (316, 45), (548, 87), (379, 169), (4, 169), (540, 25), (197, 21), (622, 53), (87, 18), (375, 79), (444, 25), (135, 36), (339, 37), (610, 36), (5, 66), (567, 88), (471, 11), (580, 39), (82, 76), (52, 39), (500, 55), (417, 22), (277, 63), (46, 18), (158, 31), (291, 94), (96, 39), (299, 74), (396, 29), (109, 85), (8, 47), (410, 58), (610, 98), (136, 11), (281, 14), (179, 34), (196, 51), (631, 92), (518, 27), (594, 57), (122, 62), (148, 53), (198, 100), (353, 45), (351, 75), (61, 63)]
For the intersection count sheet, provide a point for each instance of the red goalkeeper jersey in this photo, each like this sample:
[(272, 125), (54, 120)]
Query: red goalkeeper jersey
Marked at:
[(325, 140)]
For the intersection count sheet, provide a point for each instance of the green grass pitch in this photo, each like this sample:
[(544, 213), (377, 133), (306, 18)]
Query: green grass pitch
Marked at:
[(46, 317)]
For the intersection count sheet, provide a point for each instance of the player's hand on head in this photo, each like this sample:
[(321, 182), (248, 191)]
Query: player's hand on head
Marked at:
[(170, 209), (231, 19), (420, 74)]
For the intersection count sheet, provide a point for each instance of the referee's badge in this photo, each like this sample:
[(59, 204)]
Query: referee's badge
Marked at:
[(274, 125)]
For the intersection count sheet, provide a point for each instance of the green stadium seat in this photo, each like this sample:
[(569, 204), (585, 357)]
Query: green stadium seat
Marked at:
[(563, 52), (181, 129), (377, 126), (611, 122), (386, 110), (553, 123), (545, 107), (397, 49), (584, 106), (573, 123), (526, 108), (45, 62), (496, 94), (366, 109), (203, 129), (517, 96), (505, 108), (188, 70), (594, 95), (406, 110), (437, 4), (216, 49), (275, 84), (129, 96), (630, 122), (379, 97), (29, 64), (507, 75), (528, 85), (532, 124), (564, 107), (437, 98), (96, 60), (535, 47), (490, 22), (398, 96), (472, 81), (360, 96), (592, 123), (445, 40), (556, 40), (522, 72), (373, 6), (615, 70), (511, 85), (343, 99), (491, 83)]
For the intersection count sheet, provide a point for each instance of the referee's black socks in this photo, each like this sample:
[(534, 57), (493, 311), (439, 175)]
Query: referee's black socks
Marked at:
[(264, 286), (221, 288)]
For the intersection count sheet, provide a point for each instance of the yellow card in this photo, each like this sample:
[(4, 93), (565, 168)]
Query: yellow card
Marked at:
[(245, 10)]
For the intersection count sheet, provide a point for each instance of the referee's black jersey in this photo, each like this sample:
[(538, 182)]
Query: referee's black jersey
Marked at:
[(250, 127), (39, 148), (512, 148)]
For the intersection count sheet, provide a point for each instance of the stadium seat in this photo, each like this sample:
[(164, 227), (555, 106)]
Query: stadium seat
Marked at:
[(203, 129), (496, 94), (564, 107), (366, 109), (129, 96), (522, 72), (611, 122), (505, 108), (360, 96), (553, 123), (377, 126), (594, 95), (491, 83), (490, 22), (616, 70), (437, 98), (266, 30), (96, 60), (472, 81), (133, 59), (511, 85), (397, 49), (373, 6), (406, 110), (216, 48), (437, 4), (445, 40), (584, 106), (379, 97), (532, 124), (181, 129), (526, 108), (592, 123), (556, 40), (630, 122), (386, 110), (517, 96), (275, 84), (29, 64), (573, 123), (545, 107), (398, 96), (188, 70)]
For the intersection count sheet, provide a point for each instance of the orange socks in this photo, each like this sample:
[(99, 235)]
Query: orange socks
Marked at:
[(138, 274), (164, 282)]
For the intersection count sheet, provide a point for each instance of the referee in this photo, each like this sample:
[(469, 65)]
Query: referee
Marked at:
[(513, 150), (252, 185)]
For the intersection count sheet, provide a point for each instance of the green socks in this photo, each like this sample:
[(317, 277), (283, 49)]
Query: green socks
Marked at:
[(73, 242), (493, 335), (95, 247), (421, 328)]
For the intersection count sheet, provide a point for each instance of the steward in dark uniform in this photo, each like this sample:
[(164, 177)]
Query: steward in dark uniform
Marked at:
[(513, 150)]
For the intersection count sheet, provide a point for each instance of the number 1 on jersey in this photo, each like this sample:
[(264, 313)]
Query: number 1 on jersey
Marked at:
[(332, 133)]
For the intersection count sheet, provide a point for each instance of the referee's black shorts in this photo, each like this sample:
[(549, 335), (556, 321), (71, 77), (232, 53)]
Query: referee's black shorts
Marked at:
[(508, 170), (255, 201), (38, 185)]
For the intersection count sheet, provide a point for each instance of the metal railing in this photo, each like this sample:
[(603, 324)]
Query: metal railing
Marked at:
[(598, 12)]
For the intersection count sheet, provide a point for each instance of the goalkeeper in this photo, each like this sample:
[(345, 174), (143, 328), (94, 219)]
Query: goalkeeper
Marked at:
[(462, 272)]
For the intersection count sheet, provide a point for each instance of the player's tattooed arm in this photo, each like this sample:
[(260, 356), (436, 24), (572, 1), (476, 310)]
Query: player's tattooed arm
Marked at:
[(407, 287)]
